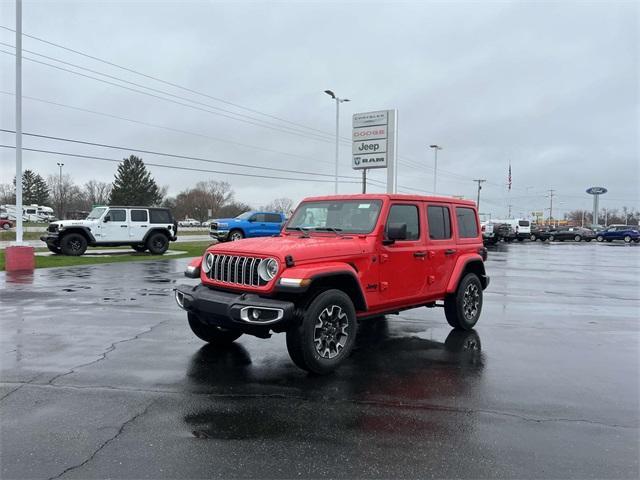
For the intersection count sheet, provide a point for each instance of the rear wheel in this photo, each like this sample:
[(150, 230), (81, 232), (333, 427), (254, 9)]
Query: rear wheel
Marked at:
[(325, 336), (577, 238), (463, 308), (599, 238), (158, 243), (627, 239), (73, 244), (552, 238), (211, 333), (6, 226), (532, 238)]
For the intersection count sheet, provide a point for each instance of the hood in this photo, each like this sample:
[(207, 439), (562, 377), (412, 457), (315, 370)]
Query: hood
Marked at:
[(226, 220), (317, 246), (74, 223)]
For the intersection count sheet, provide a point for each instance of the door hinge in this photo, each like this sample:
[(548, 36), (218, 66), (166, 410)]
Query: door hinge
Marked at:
[(384, 286), (431, 279)]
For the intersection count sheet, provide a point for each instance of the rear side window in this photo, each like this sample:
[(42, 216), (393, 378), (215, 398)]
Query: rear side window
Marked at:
[(406, 214), (259, 217), (523, 223), (273, 218), (467, 224), (160, 216), (118, 215), (138, 215), (439, 222)]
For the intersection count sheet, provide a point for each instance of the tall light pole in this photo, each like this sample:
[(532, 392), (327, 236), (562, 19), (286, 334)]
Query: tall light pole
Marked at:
[(60, 165), (435, 166), (19, 122), (338, 102)]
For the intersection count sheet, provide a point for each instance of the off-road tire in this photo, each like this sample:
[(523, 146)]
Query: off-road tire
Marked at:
[(211, 333), (54, 249), (599, 238), (463, 307), (157, 243), (235, 235), (312, 343), (139, 248), (73, 244)]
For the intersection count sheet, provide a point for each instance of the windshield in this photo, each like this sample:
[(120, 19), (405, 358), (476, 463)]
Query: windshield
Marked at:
[(349, 216), (244, 216), (96, 213)]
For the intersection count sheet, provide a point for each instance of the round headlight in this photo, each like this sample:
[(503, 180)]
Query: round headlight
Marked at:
[(207, 263), (268, 269)]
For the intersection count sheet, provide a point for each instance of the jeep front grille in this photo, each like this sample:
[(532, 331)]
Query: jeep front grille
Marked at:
[(236, 270), (53, 228)]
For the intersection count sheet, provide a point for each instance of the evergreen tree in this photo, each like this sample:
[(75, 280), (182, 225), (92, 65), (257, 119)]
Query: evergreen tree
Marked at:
[(134, 185), (40, 191)]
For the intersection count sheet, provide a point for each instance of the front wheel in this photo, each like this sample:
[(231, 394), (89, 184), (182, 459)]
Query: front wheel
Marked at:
[(577, 238), (627, 239), (211, 333), (463, 308), (235, 235), (73, 244), (6, 226), (325, 336), (158, 243), (532, 238), (552, 238)]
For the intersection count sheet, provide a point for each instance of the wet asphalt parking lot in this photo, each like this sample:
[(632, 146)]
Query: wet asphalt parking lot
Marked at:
[(101, 377)]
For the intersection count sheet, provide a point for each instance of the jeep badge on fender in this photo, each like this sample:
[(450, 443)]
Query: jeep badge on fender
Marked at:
[(340, 259)]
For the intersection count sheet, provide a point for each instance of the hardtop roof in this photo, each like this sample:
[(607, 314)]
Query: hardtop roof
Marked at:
[(394, 196)]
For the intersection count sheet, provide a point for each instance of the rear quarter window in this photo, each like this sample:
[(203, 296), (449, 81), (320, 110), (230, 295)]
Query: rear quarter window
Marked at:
[(467, 222), (160, 216)]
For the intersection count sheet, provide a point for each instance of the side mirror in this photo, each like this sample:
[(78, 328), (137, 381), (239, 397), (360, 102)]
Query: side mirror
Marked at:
[(395, 231), (107, 219)]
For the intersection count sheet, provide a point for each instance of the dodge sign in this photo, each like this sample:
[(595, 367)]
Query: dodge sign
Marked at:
[(373, 139)]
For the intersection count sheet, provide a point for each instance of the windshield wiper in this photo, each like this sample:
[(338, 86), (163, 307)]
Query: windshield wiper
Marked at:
[(304, 230), (329, 229)]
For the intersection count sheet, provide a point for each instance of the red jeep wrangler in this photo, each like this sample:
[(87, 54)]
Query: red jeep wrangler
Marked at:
[(340, 259)]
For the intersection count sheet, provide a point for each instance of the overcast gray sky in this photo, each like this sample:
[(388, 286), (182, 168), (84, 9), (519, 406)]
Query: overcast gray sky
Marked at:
[(550, 86)]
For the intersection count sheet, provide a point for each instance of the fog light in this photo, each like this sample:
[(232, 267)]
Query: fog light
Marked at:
[(255, 314)]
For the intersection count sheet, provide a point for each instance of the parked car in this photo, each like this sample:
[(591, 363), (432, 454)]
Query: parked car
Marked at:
[(207, 223), (142, 228), (246, 225), (5, 223), (340, 259), (489, 236), (576, 234), (521, 227), (628, 233), (189, 222)]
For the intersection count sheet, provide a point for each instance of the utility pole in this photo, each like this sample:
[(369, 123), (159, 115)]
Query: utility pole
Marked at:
[(338, 102), (435, 166), (551, 192), (364, 180), (509, 216), (60, 189), (480, 182)]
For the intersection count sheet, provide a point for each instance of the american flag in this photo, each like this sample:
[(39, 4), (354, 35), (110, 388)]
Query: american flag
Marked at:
[(509, 176)]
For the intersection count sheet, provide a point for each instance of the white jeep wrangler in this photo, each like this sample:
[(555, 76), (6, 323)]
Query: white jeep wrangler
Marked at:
[(143, 228)]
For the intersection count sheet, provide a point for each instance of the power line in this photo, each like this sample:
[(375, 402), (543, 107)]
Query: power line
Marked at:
[(163, 127), (175, 85), (195, 107), (190, 169), (163, 154)]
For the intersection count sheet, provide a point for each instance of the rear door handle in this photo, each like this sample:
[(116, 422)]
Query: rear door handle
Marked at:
[(420, 254), (123, 226), (449, 251)]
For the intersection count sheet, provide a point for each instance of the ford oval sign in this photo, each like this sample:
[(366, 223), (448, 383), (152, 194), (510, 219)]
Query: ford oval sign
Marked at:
[(596, 190)]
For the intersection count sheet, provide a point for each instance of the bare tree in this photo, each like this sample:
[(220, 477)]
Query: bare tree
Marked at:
[(7, 194), (66, 195), (97, 193), (282, 205), (205, 196)]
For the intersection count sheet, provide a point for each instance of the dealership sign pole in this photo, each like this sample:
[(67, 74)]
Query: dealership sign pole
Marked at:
[(18, 122), (596, 192), (375, 144)]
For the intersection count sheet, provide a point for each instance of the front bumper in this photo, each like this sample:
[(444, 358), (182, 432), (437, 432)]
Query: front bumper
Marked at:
[(50, 238), (220, 235), (233, 310)]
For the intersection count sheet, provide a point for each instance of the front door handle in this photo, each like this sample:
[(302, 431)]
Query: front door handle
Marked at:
[(449, 251), (420, 254), (123, 226)]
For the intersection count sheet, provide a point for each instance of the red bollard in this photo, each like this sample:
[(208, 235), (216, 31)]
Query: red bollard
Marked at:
[(19, 258)]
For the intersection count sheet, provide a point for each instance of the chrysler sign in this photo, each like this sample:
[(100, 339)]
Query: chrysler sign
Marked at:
[(373, 136)]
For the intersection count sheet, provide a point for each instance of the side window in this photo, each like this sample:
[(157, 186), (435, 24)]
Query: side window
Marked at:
[(118, 215), (406, 214), (439, 222), (273, 218), (467, 225), (259, 217), (138, 215), (160, 216)]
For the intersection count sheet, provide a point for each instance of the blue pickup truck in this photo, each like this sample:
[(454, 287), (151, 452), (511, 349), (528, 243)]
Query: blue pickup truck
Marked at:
[(246, 225)]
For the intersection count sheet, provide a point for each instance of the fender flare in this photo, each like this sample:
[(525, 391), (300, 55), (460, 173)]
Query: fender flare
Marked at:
[(154, 230), (472, 260), (85, 231)]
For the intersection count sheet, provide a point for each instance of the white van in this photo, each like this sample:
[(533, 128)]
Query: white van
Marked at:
[(521, 226)]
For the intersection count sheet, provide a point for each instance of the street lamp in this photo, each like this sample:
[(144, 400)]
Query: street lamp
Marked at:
[(435, 165), (338, 102), (60, 188)]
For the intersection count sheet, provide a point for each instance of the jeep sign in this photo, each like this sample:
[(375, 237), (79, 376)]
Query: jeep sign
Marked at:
[(374, 140)]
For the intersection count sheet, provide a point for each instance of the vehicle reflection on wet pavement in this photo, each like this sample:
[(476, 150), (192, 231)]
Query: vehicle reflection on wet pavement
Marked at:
[(101, 377)]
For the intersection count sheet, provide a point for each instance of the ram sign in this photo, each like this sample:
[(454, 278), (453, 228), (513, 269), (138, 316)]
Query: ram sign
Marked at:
[(373, 139)]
